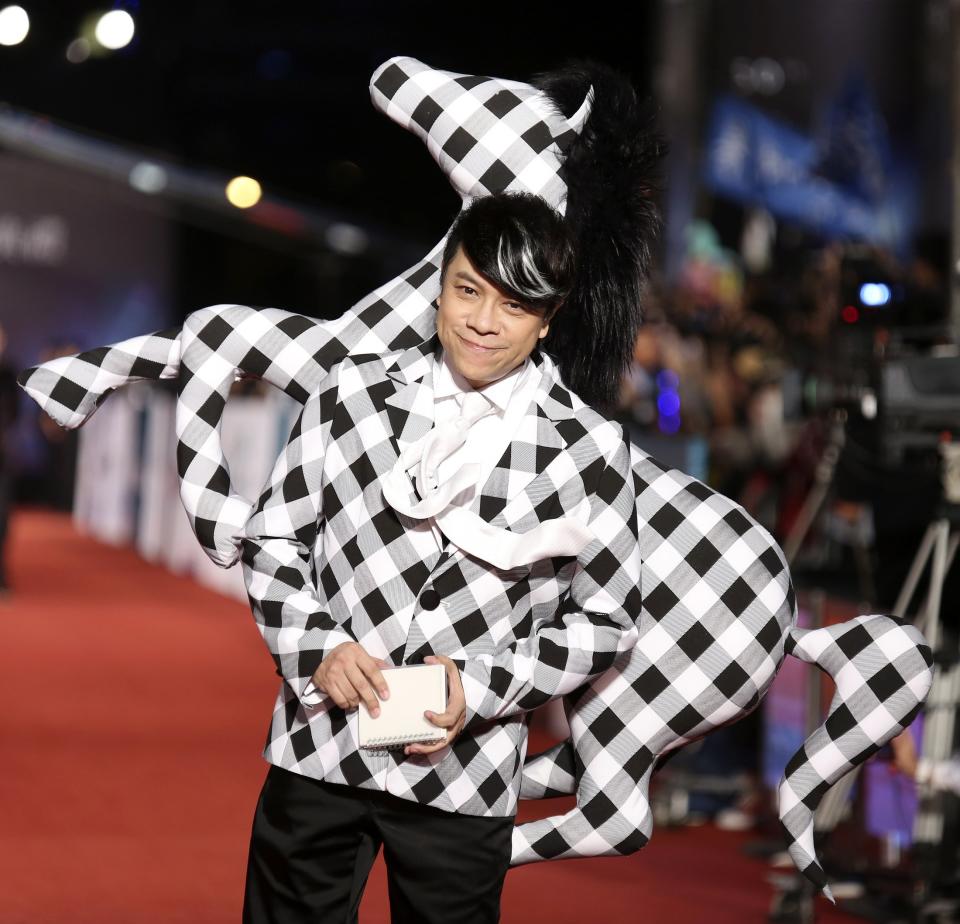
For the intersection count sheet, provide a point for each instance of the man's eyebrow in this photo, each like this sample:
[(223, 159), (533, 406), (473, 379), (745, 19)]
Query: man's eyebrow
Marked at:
[(466, 277)]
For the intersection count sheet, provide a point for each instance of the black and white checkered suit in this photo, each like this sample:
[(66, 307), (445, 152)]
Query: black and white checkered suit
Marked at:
[(521, 636)]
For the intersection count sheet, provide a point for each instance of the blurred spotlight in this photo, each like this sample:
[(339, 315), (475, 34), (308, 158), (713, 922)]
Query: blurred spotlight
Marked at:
[(668, 404), (668, 380), (668, 401), (148, 178), (741, 74), (115, 29), (243, 192), (768, 76), (14, 25), (850, 314), (874, 294), (762, 75), (78, 51), (346, 239)]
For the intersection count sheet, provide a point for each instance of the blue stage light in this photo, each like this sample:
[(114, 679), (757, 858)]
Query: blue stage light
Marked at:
[(668, 403), (667, 380), (874, 294)]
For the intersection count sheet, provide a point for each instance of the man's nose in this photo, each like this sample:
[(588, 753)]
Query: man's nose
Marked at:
[(483, 318)]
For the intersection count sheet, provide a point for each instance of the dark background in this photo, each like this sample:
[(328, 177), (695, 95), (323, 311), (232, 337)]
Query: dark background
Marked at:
[(279, 91)]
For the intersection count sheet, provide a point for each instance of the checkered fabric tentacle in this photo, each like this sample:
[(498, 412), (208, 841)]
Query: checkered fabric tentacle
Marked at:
[(71, 388), (550, 773), (215, 346), (718, 616), (883, 673), (717, 604)]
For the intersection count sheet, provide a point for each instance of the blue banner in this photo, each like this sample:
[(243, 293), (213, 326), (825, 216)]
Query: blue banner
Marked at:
[(758, 160), (855, 147)]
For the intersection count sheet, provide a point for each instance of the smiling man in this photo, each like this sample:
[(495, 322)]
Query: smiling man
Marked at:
[(451, 502), (486, 327)]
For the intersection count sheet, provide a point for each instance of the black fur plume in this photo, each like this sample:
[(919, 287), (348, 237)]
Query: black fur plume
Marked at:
[(610, 172)]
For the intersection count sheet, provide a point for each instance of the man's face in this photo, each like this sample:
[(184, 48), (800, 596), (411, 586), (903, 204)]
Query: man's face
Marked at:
[(485, 332)]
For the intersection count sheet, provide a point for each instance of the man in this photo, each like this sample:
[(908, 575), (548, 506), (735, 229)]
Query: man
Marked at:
[(515, 564)]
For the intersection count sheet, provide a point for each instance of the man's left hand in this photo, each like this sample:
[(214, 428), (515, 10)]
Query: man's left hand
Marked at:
[(456, 713)]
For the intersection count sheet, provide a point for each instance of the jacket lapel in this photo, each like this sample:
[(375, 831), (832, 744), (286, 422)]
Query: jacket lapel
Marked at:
[(409, 410), (405, 406)]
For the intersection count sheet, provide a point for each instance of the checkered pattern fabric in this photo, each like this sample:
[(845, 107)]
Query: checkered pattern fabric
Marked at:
[(289, 351), (488, 135), (71, 388), (521, 636), (718, 616), (717, 608), (883, 672), (717, 603)]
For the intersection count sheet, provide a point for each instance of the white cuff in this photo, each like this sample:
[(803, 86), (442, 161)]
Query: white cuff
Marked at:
[(310, 695)]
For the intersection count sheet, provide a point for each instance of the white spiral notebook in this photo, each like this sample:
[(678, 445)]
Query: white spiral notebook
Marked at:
[(413, 688)]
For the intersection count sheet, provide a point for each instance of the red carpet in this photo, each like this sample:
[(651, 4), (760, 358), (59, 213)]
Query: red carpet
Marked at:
[(135, 705)]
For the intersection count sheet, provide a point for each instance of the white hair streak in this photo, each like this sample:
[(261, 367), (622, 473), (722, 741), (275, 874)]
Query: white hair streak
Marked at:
[(529, 282)]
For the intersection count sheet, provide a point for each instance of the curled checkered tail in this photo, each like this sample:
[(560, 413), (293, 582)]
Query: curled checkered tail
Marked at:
[(882, 669), (70, 388)]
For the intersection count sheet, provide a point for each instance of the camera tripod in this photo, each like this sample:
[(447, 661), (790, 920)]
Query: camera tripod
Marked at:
[(935, 825), (932, 833), (816, 500)]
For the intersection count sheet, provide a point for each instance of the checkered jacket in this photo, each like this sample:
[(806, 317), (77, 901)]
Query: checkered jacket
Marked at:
[(522, 636)]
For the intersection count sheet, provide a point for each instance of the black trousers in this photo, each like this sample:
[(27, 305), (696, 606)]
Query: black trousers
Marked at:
[(314, 843)]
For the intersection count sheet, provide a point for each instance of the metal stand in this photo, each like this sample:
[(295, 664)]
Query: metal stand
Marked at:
[(940, 542), (939, 547), (823, 479), (817, 497)]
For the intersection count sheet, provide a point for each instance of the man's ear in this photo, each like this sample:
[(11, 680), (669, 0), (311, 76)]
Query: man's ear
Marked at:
[(548, 320)]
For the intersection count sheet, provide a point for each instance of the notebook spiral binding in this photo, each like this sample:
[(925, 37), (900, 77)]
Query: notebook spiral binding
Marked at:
[(398, 741)]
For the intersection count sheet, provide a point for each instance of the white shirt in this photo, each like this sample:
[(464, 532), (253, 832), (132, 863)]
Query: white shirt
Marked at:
[(488, 437)]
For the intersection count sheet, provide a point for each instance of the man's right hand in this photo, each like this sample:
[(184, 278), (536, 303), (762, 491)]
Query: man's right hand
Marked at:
[(348, 674)]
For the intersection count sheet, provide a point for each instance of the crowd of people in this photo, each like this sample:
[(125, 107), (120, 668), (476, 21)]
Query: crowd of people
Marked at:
[(730, 356)]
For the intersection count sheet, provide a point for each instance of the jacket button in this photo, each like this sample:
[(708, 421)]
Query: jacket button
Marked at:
[(429, 599)]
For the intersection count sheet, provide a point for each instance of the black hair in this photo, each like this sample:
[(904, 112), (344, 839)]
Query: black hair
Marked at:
[(612, 173), (519, 243)]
